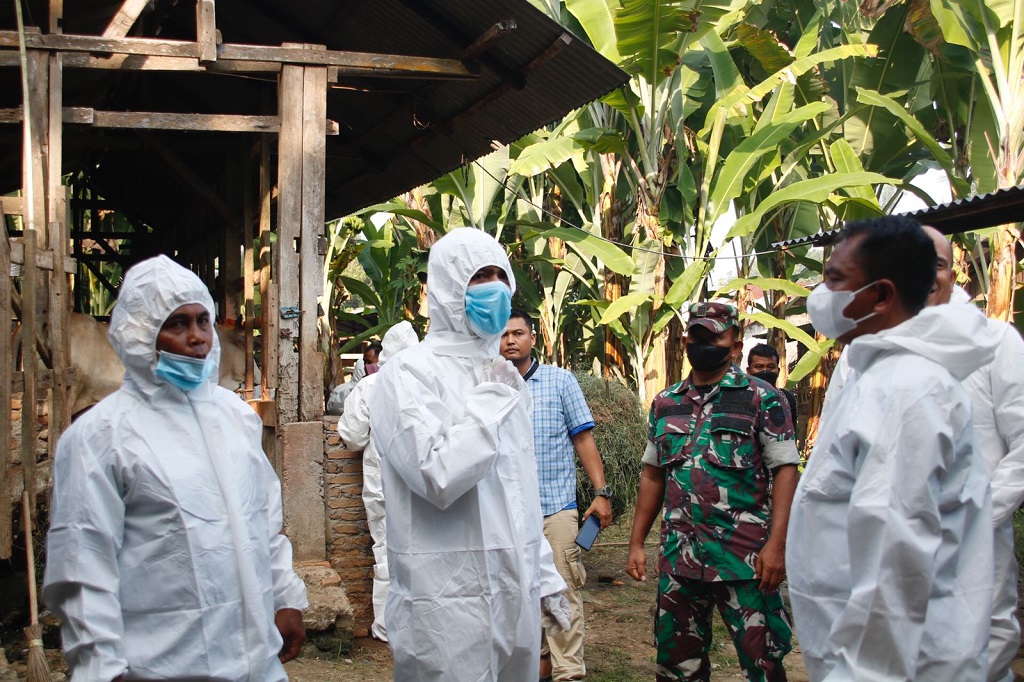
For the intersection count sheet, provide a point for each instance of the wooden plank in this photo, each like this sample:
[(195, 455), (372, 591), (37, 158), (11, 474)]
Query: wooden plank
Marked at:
[(11, 206), (125, 18), (56, 15), (44, 379), (289, 222), (206, 30), (44, 257), (314, 148), (16, 480), (268, 319), (6, 534)]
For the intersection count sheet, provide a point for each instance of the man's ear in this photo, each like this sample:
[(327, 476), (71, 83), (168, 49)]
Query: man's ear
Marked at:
[(885, 293)]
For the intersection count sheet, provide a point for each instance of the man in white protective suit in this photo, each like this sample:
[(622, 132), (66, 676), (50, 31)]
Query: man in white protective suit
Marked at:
[(165, 558), (469, 564), (890, 534), (997, 398), (354, 429)]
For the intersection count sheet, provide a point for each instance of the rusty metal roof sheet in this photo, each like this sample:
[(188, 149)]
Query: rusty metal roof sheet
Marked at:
[(963, 215)]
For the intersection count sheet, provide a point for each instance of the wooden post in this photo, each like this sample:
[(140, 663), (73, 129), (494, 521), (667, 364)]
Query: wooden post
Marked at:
[(57, 242), (6, 534), (29, 361), (206, 31), (268, 315), (314, 146), (248, 267), (289, 224)]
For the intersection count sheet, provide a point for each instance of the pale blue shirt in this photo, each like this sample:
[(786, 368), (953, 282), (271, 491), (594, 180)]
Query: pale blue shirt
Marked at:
[(559, 413)]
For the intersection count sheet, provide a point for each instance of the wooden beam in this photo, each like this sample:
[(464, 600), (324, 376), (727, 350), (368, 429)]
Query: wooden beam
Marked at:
[(6, 287), (206, 30), (152, 120), (125, 18), (348, 63), (487, 40), (142, 120), (268, 318), (77, 43), (351, 62)]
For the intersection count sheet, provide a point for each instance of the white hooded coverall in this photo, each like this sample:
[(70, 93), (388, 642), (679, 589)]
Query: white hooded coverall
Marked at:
[(997, 397), (890, 536), (354, 429), (468, 560), (164, 556)]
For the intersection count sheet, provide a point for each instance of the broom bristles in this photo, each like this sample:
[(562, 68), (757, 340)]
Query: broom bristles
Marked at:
[(38, 670)]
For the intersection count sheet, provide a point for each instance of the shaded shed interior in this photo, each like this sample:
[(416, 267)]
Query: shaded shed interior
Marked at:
[(394, 133)]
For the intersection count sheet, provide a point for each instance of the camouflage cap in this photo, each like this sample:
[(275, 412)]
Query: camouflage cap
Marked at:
[(716, 317)]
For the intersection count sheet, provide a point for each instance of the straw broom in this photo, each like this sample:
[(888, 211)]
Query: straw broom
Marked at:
[(38, 668)]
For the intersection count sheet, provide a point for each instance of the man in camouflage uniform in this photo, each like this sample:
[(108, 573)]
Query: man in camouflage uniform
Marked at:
[(721, 460)]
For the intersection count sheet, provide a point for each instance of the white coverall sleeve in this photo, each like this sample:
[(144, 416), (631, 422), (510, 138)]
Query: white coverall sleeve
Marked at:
[(82, 574), (439, 458), (1008, 403), (354, 422), (894, 536), (289, 590)]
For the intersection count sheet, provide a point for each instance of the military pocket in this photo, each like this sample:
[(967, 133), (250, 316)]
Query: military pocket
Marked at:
[(732, 442), (674, 439)]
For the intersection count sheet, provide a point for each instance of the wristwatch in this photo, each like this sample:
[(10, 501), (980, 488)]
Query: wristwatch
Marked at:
[(605, 491)]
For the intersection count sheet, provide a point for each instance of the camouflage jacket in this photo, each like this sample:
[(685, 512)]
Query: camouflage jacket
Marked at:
[(717, 482)]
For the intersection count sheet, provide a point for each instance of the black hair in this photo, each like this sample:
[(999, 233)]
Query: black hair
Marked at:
[(375, 346), (895, 248), (763, 350), (524, 317)]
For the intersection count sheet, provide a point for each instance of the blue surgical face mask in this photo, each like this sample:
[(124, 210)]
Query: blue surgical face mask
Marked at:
[(488, 307), (186, 373)]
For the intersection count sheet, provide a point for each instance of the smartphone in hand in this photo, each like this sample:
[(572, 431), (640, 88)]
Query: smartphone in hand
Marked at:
[(588, 533)]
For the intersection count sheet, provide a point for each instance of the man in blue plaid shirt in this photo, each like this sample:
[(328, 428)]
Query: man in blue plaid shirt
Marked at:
[(562, 426)]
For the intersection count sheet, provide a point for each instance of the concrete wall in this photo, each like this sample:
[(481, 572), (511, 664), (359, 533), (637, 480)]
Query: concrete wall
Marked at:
[(349, 545)]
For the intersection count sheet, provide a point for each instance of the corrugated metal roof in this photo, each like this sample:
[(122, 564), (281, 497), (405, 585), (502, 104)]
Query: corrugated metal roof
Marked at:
[(963, 215), (395, 134)]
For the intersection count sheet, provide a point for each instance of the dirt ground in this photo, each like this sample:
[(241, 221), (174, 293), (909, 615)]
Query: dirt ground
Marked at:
[(619, 637)]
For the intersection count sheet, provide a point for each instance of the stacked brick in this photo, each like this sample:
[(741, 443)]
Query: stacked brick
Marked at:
[(349, 545)]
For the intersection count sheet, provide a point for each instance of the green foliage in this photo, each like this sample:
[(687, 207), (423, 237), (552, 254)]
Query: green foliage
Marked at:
[(621, 434)]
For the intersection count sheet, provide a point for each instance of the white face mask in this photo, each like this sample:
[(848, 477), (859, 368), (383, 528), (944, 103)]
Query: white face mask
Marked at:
[(825, 308)]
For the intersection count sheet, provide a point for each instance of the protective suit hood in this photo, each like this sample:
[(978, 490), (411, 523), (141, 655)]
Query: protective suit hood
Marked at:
[(454, 259), (398, 338), (953, 336), (151, 291)]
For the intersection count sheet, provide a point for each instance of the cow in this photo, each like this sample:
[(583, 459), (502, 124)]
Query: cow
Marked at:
[(100, 371)]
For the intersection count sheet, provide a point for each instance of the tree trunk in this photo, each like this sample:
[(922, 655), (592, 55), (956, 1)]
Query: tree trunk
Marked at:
[(780, 305), (611, 227), (654, 370), (819, 385), (1002, 272)]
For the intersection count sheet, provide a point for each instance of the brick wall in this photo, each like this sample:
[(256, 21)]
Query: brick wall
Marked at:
[(349, 545)]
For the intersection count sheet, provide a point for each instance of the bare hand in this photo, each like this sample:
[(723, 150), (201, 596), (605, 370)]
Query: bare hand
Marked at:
[(771, 566), (293, 632), (636, 564), (601, 506)]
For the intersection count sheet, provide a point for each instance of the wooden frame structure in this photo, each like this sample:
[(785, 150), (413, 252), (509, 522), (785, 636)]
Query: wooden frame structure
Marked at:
[(228, 152)]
